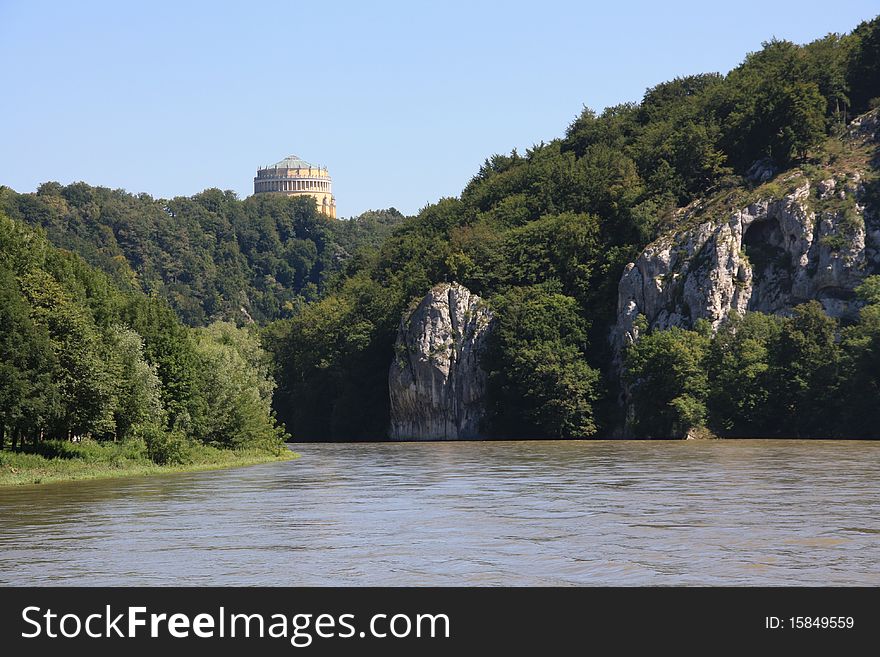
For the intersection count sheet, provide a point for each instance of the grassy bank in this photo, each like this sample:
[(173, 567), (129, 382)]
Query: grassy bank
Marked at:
[(63, 461)]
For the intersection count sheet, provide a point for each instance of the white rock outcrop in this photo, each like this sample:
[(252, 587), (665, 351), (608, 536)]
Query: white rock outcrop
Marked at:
[(769, 256), (436, 383)]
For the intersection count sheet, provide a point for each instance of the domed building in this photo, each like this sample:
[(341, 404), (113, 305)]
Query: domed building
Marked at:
[(293, 176)]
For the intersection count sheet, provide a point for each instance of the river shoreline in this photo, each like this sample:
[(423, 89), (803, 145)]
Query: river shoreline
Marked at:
[(516, 513), (24, 469)]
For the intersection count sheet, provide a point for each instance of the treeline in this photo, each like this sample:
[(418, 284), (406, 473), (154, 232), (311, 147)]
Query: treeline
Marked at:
[(544, 236), (689, 135), (210, 256), (762, 376), (82, 357)]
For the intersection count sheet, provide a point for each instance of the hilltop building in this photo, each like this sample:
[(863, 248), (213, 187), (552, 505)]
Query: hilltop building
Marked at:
[(293, 176)]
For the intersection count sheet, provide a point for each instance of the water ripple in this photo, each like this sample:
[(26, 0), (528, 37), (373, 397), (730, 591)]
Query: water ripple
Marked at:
[(494, 513)]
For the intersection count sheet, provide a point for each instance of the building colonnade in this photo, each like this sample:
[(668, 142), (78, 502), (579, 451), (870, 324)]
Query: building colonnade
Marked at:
[(292, 186)]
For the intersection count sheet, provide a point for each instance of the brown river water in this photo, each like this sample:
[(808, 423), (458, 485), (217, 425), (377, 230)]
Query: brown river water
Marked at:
[(481, 513)]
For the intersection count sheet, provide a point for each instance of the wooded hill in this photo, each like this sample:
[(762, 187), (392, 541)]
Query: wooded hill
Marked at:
[(211, 256), (543, 236)]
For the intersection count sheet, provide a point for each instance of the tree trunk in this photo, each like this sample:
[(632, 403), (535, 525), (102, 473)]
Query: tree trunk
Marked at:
[(2, 435), (14, 438)]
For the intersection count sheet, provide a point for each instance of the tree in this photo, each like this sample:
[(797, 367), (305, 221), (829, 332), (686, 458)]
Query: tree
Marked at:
[(678, 149), (540, 385), (863, 74), (85, 385), (771, 107), (665, 372), (332, 362), (802, 120), (26, 365), (741, 396), (826, 61), (73, 361), (139, 389), (860, 367), (563, 247), (805, 374), (170, 348), (236, 388)]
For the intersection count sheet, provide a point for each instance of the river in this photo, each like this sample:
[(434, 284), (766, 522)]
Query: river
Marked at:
[(478, 513)]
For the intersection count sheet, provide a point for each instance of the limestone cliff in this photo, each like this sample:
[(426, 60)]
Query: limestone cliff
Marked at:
[(436, 384), (804, 235)]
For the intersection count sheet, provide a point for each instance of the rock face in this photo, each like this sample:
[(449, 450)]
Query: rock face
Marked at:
[(436, 383), (787, 242)]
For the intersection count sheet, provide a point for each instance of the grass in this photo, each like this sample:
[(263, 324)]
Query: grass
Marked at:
[(62, 461), (838, 157)]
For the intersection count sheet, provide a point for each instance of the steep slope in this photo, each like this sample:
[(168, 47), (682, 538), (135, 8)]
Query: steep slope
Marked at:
[(812, 233), (436, 382)]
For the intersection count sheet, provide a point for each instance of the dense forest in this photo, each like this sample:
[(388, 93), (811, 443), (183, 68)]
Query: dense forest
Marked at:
[(82, 356), (543, 236), (212, 256), (763, 375)]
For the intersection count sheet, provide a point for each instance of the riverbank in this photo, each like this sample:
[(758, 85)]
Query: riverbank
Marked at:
[(468, 513), (91, 460)]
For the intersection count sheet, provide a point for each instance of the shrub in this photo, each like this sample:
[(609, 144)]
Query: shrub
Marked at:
[(164, 447)]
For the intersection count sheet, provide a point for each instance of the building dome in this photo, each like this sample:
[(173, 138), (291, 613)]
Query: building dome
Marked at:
[(293, 162), (293, 176)]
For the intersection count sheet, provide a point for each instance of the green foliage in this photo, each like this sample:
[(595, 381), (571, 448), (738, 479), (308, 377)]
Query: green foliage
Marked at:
[(863, 69), (165, 447), (667, 378), (860, 367), (236, 389), (677, 146), (332, 362), (562, 247), (762, 376), (771, 107), (61, 460), (27, 393), (869, 290), (545, 234), (541, 235), (84, 357), (740, 374), (367, 231), (540, 382), (210, 256), (86, 394), (139, 388), (807, 369)]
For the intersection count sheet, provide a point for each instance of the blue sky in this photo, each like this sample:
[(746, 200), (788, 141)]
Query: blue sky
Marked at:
[(401, 100)]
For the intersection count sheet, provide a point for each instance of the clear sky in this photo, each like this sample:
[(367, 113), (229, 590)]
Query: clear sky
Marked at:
[(401, 100)]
